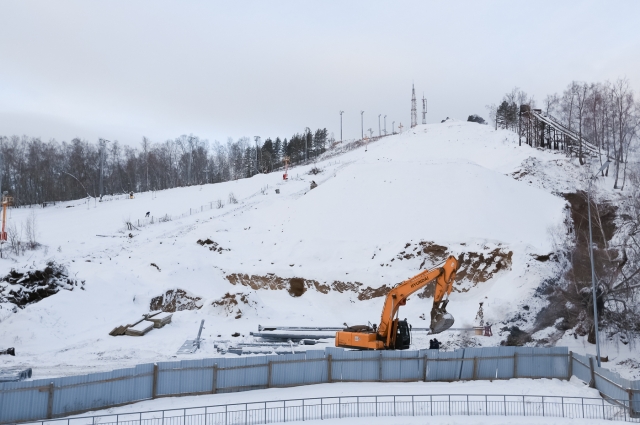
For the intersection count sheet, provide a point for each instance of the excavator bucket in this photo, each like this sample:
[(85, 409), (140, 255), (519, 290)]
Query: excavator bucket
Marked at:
[(440, 319)]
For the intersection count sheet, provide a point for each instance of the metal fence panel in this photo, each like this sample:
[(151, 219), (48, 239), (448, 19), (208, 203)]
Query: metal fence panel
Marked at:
[(411, 370), (23, 400), (97, 390), (356, 366), (168, 377), (609, 383), (244, 373), (635, 399), (195, 377), (580, 367), (506, 364), (288, 370), (442, 366), (542, 362), (486, 368)]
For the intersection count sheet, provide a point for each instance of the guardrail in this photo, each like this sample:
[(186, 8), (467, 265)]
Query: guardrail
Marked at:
[(322, 408)]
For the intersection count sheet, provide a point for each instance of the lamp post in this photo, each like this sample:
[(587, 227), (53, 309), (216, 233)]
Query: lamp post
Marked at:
[(593, 271), (341, 112)]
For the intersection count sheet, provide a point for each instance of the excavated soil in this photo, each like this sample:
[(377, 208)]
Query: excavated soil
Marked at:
[(175, 300), (23, 288), (475, 267), (230, 304), (296, 286)]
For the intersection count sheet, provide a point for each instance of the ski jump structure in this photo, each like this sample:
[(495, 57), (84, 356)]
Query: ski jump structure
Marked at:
[(542, 130)]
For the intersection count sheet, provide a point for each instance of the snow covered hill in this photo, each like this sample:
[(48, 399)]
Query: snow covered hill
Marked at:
[(300, 257)]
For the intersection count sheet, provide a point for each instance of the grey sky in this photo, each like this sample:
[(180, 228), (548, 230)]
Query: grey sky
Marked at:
[(124, 69)]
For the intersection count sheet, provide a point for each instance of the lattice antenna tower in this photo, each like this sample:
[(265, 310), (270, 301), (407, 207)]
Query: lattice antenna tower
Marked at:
[(414, 110), (424, 109)]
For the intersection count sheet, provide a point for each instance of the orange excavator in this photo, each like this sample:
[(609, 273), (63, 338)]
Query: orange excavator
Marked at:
[(393, 333)]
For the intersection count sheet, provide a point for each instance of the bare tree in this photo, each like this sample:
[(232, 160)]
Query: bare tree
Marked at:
[(623, 107), (551, 103), (145, 150)]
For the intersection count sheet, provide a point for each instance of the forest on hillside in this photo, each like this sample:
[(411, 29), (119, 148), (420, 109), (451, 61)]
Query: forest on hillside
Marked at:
[(33, 171)]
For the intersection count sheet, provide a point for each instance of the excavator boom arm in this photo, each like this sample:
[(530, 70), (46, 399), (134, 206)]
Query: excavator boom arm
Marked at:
[(444, 276)]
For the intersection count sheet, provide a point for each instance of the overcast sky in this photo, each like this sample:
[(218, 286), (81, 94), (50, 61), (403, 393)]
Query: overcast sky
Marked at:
[(124, 69)]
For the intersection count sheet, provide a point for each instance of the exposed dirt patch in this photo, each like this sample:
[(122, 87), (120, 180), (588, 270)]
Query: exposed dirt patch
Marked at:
[(604, 221), (516, 337), (569, 294), (175, 300), (475, 267), (232, 304), (478, 267), (23, 288), (213, 246), (297, 286)]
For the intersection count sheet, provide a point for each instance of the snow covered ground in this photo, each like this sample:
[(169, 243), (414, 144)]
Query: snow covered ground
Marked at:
[(528, 387), (461, 186)]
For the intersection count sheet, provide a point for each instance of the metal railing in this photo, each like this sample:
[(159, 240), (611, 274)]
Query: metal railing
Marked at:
[(266, 412)]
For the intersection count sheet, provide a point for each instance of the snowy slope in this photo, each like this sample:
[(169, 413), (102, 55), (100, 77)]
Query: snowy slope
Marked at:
[(450, 184)]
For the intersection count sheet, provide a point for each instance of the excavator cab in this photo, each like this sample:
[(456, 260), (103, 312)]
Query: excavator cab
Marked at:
[(403, 336)]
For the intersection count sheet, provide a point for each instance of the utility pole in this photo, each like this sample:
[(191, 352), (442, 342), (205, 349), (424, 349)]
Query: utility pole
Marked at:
[(424, 109), (414, 112), (385, 125), (341, 112), (361, 125), (379, 131), (593, 272)]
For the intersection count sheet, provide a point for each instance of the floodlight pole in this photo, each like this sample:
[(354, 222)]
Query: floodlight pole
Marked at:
[(361, 125), (341, 112), (385, 125), (593, 271), (379, 131)]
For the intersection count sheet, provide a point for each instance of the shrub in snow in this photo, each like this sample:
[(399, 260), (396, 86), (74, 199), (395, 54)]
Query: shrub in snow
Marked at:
[(476, 118), (23, 288)]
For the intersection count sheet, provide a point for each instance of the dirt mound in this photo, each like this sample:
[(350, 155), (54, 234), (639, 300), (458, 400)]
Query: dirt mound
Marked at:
[(23, 288), (230, 304), (213, 246), (175, 300)]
